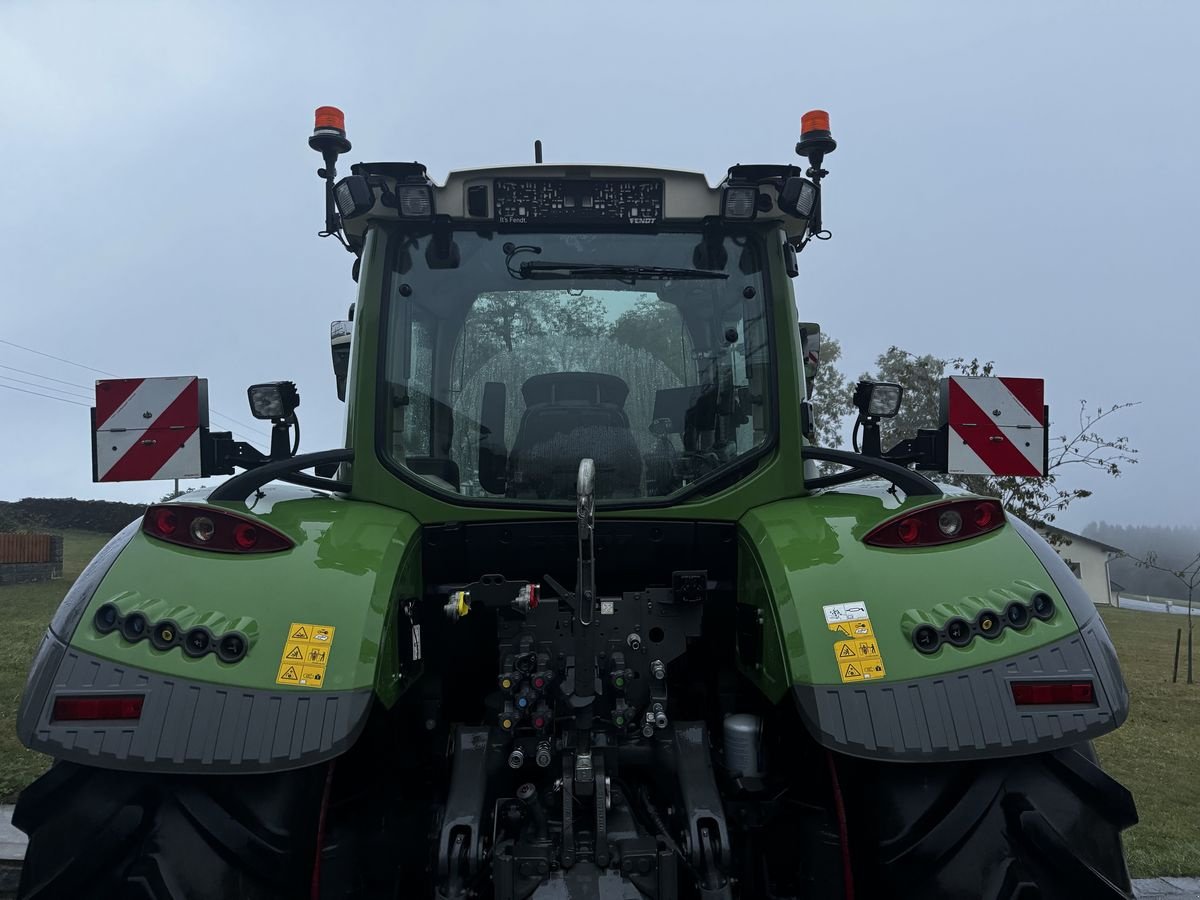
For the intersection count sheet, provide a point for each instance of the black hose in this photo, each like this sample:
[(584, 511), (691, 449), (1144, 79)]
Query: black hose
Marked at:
[(242, 485), (912, 483)]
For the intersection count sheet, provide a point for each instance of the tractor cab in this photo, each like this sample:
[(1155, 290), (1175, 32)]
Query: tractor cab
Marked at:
[(527, 317)]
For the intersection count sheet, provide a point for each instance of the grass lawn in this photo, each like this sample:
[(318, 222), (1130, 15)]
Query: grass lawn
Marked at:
[(1156, 754), (27, 609)]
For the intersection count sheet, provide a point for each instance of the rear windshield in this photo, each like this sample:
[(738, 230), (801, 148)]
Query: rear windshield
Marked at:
[(509, 358)]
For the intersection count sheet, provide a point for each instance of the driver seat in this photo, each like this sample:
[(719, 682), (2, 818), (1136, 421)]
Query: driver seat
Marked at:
[(570, 416)]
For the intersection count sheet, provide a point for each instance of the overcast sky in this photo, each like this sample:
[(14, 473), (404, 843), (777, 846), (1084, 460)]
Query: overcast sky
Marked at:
[(1015, 181)]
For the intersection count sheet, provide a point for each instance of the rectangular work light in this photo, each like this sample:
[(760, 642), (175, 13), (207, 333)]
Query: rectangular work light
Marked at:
[(273, 400), (739, 202), (878, 399), (415, 201), (798, 197), (353, 196)]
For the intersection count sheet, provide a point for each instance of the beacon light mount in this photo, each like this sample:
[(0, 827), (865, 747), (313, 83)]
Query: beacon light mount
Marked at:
[(329, 139)]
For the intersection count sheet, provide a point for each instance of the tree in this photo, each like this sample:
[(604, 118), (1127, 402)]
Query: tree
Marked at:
[(655, 327), (1037, 500), (831, 395), (1189, 576), (1173, 545)]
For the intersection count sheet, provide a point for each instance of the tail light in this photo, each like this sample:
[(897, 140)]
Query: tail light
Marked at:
[(209, 528), (108, 708), (1053, 693), (941, 523)]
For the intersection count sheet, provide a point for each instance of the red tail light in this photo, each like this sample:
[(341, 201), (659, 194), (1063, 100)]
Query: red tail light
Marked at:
[(942, 523), (210, 528), (1053, 693), (97, 709)]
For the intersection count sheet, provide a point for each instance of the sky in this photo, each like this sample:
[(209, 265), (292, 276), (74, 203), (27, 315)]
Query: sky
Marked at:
[(1013, 181)]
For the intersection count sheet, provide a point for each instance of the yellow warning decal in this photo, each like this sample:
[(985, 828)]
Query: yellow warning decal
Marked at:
[(859, 628), (857, 653), (865, 670), (305, 655)]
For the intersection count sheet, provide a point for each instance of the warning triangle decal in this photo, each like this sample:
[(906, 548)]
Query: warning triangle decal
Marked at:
[(301, 634), (846, 651), (843, 630), (290, 674), (295, 654), (850, 670)]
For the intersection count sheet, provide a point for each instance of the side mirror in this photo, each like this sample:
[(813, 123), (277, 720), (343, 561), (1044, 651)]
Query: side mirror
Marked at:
[(340, 334), (493, 455), (810, 348)]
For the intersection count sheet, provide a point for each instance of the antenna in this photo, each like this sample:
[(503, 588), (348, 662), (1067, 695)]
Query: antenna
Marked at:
[(537, 152)]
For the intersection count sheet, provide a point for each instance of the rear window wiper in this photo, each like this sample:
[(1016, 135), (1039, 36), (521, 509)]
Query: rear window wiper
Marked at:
[(628, 274)]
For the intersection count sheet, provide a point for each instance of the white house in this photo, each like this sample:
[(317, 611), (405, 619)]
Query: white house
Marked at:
[(1089, 560)]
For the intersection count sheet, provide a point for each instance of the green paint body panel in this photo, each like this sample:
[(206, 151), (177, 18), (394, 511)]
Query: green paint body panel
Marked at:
[(350, 562), (797, 556)]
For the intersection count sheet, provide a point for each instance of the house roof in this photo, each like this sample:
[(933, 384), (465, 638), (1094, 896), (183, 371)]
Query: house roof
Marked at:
[(1072, 536)]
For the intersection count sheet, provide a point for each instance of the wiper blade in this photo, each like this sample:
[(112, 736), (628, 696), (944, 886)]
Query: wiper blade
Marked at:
[(628, 274)]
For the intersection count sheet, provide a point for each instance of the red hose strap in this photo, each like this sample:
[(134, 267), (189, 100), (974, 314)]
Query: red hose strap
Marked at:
[(839, 809), (315, 891)]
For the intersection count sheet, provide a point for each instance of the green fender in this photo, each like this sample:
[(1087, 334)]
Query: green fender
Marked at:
[(351, 560), (352, 566), (797, 557)]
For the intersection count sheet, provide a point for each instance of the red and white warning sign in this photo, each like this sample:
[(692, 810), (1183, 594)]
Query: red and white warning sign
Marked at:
[(995, 426), (148, 428)]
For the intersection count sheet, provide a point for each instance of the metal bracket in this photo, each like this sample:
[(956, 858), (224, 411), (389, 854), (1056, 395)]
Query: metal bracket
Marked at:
[(460, 847), (707, 833)]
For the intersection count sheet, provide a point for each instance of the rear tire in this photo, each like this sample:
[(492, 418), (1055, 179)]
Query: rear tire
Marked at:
[(97, 833), (1042, 826)]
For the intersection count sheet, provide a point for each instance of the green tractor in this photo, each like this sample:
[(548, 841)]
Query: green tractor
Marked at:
[(580, 610)]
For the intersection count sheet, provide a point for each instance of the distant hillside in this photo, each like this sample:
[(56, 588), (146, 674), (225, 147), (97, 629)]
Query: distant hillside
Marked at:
[(56, 513), (1176, 547)]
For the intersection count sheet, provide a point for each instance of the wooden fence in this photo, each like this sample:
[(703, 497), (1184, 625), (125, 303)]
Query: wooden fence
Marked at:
[(25, 548), (30, 557)]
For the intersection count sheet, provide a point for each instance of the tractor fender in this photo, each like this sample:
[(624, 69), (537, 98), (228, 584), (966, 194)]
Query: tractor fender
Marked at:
[(318, 622), (828, 621)]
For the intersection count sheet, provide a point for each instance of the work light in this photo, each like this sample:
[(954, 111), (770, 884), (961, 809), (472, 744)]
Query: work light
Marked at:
[(878, 399), (739, 202), (353, 196), (273, 400), (415, 201), (798, 197)]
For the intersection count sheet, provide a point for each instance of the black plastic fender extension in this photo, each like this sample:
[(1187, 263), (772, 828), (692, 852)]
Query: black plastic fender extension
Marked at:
[(185, 726), (969, 713)]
